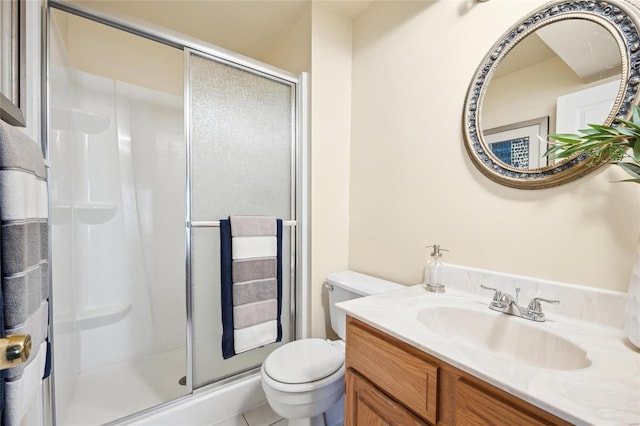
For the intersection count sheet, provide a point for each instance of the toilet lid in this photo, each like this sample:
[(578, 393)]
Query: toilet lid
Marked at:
[(303, 361)]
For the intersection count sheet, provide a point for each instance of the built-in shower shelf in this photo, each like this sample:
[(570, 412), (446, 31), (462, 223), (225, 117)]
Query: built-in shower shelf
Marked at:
[(95, 214), (92, 318), (87, 213)]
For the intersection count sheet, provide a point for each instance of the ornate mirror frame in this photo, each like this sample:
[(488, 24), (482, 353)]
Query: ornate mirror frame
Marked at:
[(620, 18)]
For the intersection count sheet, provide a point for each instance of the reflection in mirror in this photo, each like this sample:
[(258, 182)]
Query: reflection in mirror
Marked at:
[(521, 145), (554, 63), (563, 66)]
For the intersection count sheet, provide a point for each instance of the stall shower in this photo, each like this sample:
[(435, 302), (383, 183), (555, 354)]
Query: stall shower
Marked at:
[(150, 143)]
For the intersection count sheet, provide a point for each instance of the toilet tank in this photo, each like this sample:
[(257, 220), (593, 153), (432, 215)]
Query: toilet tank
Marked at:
[(349, 285)]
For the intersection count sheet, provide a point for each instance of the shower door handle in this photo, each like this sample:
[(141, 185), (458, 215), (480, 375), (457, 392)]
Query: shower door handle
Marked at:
[(14, 350)]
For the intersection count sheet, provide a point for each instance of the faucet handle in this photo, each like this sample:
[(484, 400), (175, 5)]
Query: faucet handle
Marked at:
[(496, 293), (535, 308)]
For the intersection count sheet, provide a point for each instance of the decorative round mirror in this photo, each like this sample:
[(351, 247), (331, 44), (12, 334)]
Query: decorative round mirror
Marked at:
[(565, 65)]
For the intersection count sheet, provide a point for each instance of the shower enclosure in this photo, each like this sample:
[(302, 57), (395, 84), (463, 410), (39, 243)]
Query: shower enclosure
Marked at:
[(151, 141)]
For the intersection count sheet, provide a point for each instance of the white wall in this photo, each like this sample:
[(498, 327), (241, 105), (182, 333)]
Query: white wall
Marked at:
[(538, 87), (330, 134), (412, 184), (292, 52), (102, 50)]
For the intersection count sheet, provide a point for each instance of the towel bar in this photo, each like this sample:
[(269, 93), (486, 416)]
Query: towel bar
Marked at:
[(216, 224), (14, 350)]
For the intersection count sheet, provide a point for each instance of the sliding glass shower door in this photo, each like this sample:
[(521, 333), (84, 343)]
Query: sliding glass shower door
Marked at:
[(146, 159), (243, 151)]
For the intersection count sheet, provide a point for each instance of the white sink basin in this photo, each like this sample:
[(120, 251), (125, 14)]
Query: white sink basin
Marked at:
[(516, 339)]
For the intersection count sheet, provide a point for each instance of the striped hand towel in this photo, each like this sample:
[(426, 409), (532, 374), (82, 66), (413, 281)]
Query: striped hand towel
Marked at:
[(24, 268), (251, 273)]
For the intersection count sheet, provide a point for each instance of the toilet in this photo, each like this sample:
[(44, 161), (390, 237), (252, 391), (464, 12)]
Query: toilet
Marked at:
[(304, 379)]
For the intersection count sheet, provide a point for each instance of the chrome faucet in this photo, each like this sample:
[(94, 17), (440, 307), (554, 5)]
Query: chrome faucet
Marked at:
[(506, 303)]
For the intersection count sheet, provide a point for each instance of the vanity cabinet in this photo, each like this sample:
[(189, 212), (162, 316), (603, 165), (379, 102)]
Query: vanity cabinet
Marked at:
[(389, 382), (370, 406)]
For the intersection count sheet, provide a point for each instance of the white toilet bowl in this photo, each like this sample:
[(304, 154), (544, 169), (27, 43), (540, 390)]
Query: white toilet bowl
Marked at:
[(304, 378)]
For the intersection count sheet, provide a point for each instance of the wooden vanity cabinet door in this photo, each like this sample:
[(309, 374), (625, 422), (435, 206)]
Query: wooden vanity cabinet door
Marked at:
[(370, 407), (399, 370), (475, 406)]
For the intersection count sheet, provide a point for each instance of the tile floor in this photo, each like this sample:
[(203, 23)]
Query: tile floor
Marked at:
[(260, 416)]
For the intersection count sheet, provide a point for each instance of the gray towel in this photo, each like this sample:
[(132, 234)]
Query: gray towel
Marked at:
[(252, 226), (24, 270), (254, 313), (254, 269), (35, 283), (18, 152), (254, 291), (24, 244)]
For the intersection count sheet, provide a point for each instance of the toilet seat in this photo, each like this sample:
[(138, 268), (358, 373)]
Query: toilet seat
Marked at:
[(303, 361)]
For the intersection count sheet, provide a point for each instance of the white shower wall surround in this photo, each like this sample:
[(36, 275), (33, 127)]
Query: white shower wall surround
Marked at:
[(118, 190), (123, 234)]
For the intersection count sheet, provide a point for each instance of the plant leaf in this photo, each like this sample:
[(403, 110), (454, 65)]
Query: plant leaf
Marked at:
[(565, 137), (636, 150), (627, 131), (589, 132), (603, 129), (627, 180), (636, 114), (628, 123), (631, 168)]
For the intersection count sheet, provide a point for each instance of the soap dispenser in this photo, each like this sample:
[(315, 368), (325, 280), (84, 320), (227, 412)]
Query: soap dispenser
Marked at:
[(433, 270)]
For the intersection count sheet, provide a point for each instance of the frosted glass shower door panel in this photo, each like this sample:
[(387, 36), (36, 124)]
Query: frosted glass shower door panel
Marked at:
[(242, 139), (241, 142)]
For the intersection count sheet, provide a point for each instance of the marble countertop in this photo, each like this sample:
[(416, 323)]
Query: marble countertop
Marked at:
[(606, 392)]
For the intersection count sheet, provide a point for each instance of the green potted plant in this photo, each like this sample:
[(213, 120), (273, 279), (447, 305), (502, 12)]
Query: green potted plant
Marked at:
[(617, 144)]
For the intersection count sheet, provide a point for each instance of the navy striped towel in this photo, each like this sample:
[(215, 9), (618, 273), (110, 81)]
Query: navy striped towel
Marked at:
[(251, 287)]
